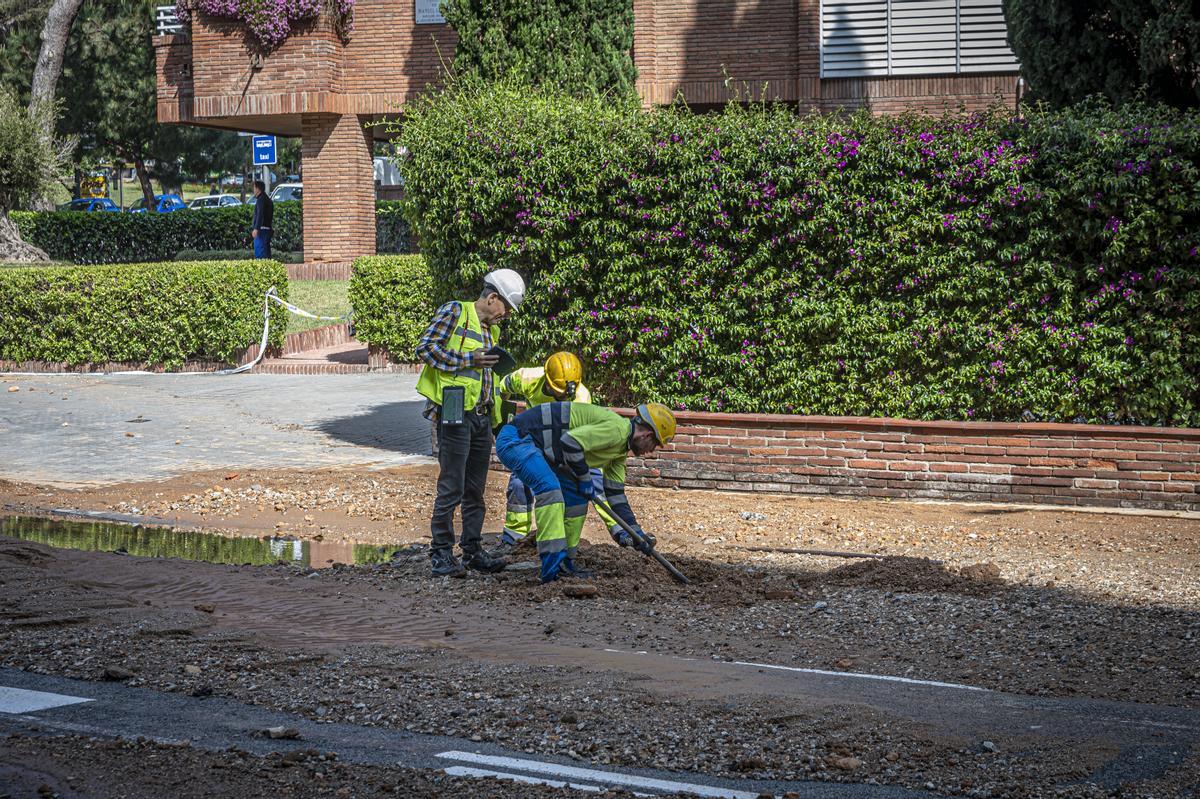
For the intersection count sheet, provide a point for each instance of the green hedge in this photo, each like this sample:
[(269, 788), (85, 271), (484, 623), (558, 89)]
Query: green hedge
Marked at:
[(99, 238), (237, 255), (392, 300), (974, 267), (155, 313)]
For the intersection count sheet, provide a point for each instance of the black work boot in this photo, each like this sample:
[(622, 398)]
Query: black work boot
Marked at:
[(444, 564), (505, 546), (481, 561)]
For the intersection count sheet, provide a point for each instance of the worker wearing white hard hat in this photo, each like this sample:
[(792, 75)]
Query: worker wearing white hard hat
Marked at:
[(456, 379)]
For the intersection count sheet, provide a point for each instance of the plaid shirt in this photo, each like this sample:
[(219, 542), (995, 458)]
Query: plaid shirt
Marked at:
[(433, 351)]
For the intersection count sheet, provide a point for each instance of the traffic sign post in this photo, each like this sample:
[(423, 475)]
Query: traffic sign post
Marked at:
[(264, 150)]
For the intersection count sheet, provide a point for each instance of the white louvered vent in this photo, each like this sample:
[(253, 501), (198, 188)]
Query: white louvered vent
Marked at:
[(913, 37), (983, 43), (854, 38)]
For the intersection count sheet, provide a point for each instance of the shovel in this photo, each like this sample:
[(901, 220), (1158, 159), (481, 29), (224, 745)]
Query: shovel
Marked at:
[(636, 536)]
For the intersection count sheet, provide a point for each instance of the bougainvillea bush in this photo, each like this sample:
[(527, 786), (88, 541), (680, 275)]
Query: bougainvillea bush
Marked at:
[(966, 267), (270, 22)]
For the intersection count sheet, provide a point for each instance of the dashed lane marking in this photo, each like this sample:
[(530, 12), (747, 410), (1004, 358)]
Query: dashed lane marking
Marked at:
[(19, 700), (606, 778)]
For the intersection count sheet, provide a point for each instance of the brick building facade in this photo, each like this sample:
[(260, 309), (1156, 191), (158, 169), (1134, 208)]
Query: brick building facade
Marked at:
[(325, 89)]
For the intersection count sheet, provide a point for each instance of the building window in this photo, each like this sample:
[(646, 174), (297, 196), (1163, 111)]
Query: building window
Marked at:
[(913, 37)]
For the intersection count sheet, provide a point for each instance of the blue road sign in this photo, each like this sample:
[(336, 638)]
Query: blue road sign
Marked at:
[(264, 150)]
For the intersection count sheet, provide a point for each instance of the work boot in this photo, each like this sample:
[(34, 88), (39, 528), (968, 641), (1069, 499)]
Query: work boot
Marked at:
[(572, 569), (481, 561), (505, 546), (444, 564)]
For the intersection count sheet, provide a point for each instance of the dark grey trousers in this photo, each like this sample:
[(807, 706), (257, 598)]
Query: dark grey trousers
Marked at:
[(464, 452)]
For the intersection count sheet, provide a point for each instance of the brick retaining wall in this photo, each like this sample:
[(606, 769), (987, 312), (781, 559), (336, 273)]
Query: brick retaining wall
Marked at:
[(1056, 464)]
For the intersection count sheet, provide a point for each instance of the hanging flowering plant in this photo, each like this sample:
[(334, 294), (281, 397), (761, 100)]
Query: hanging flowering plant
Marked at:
[(270, 22)]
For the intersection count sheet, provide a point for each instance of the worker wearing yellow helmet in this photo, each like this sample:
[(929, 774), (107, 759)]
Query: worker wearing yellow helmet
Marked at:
[(559, 380), (553, 449)]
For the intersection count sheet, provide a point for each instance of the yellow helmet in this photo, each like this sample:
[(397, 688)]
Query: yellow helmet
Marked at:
[(563, 368), (660, 419)]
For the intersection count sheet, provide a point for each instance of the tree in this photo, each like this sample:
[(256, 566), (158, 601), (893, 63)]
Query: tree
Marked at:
[(29, 163), (108, 91), (14, 11), (55, 31), (579, 46), (1070, 49)]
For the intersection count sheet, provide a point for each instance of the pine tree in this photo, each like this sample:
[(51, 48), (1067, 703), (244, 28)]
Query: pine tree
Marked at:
[(1070, 49)]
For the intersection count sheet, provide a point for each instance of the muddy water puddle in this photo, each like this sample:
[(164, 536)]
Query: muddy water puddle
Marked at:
[(167, 542)]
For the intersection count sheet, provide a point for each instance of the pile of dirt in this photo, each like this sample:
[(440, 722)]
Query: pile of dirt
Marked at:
[(913, 575)]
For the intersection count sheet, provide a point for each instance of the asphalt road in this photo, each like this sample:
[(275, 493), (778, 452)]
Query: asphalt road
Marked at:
[(71, 429), (114, 710)]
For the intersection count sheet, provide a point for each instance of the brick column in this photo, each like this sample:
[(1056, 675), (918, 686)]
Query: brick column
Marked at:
[(645, 50), (808, 54), (339, 188)]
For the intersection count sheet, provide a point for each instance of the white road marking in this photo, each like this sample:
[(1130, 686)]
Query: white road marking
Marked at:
[(19, 700), (823, 672), (596, 775), (861, 676)]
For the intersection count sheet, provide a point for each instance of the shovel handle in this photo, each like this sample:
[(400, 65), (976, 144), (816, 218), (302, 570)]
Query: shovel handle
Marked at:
[(679, 576)]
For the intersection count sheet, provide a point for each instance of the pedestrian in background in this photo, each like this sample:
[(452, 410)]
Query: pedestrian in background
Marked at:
[(264, 217), (457, 381)]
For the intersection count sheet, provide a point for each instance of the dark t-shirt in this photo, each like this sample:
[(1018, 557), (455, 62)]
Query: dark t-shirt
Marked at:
[(264, 212)]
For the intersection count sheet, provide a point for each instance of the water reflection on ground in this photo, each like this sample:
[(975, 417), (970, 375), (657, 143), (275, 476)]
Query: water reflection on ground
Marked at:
[(166, 542)]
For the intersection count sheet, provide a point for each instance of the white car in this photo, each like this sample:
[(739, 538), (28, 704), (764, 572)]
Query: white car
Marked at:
[(287, 191), (215, 201)]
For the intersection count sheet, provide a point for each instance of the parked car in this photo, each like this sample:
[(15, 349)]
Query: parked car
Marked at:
[(215, 201), (166, 204), (287, 191), (91, 204)]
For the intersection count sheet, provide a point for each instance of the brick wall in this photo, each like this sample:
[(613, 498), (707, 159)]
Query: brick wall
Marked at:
[(1057, 464), (304, 74), (709, 51), (390, 56), (173, 60), (934, 95), (339, 217)]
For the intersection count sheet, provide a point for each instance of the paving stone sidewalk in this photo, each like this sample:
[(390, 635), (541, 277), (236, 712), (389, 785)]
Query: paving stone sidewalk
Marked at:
[(94, 429)]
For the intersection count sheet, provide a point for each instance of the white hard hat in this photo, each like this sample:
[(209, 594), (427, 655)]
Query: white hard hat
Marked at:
[(508, 284)]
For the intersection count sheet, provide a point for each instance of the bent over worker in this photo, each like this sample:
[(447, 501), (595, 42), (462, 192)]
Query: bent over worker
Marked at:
[(560, 380), (553, 447), (456, 379)]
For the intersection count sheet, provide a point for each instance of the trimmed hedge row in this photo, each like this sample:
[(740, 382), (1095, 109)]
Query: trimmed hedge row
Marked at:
[(392, 298), (758, 260), (99, 238), (237, 255), (162, 314)]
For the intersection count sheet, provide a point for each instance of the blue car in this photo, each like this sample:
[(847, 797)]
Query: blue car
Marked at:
[(91, 204), (166, 204)]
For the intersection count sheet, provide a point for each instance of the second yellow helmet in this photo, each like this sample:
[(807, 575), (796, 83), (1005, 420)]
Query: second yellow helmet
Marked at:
[(563, 368)]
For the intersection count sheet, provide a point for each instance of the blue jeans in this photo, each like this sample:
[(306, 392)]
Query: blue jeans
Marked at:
[(262, 243)]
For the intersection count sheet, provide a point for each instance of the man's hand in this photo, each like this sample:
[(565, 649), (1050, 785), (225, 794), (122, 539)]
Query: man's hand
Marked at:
[(483, 360), (587, 489), (254, 233), (646, 544)]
